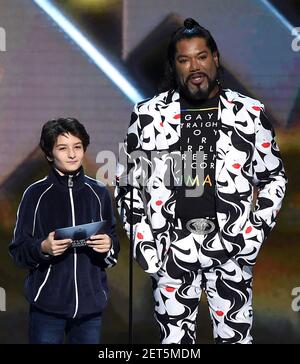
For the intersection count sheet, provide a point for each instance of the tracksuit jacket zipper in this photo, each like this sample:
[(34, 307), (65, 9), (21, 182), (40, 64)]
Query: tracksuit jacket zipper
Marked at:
[(70, 185)]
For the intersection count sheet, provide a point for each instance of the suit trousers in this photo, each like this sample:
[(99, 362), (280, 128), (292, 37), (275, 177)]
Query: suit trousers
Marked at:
[(196, 263)]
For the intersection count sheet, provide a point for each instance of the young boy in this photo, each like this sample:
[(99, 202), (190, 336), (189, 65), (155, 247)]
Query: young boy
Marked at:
[(66, 286)]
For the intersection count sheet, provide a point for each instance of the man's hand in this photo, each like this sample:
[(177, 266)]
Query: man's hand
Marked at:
[(100, 243), (55, 247)]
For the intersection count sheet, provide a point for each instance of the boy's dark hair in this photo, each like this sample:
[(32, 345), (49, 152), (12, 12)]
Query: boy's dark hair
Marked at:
[(55, 127), (190, 29)]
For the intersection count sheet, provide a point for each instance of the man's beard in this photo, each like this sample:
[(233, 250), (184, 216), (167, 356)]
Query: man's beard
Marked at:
[(199, 94)]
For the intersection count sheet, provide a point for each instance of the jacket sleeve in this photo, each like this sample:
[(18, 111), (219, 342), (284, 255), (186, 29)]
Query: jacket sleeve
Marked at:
[(25, 248), (132, 171), (269, 175), (112, 255)]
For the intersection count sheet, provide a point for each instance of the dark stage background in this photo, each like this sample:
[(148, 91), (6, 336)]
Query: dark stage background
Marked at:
[(44, 73)]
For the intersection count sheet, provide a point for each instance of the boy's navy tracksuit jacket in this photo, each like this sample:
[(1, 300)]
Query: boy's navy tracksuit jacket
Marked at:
[(73, 284)]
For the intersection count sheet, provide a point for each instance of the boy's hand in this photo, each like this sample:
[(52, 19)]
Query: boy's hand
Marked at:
[(100, 243), (55, 247)]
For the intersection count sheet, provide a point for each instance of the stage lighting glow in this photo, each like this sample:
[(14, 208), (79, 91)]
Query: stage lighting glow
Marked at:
[(91, 51), (278, 15)]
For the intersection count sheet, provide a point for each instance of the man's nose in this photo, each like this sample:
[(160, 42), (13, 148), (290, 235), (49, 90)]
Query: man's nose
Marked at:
[(194, 65)]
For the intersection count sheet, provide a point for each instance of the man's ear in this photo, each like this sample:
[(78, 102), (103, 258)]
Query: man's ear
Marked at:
[(49, 159), (216, 59)]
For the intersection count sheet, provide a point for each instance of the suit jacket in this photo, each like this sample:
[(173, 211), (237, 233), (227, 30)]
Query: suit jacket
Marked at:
[(150, 164)]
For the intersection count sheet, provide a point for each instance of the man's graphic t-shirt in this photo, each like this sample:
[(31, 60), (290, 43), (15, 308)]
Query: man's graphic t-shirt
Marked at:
[(199, 132)]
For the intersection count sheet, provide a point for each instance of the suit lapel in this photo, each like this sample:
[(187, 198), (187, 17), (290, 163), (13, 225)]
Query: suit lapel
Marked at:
[(226, 120), (169, 109)]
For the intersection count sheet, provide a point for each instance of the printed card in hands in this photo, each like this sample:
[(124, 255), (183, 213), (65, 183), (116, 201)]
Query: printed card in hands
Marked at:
[(80, 233)]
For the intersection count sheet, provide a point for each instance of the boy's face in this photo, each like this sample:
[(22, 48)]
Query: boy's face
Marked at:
[(67, 153)]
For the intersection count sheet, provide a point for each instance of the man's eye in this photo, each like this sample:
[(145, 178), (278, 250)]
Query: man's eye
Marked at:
[(78, 147), (61, 148), (182, 60)]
